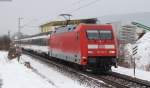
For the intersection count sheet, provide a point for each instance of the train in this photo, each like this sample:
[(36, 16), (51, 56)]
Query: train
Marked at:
[(88, 46)]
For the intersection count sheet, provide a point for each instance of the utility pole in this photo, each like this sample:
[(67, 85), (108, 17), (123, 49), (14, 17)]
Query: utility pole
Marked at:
[(19, 30), (9, 34), (9, 40), (19, 25), (18, 48)]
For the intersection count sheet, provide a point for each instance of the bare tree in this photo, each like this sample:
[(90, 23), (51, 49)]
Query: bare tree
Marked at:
[(4, 42)]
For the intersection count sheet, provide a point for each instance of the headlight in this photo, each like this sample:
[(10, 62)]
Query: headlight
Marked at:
[(112, 51), (90, 51), (92, 46), (84, 57), (109, 46)]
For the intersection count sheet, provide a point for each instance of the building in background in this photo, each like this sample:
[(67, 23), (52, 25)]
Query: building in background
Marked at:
[(50, 26), (127, 35)]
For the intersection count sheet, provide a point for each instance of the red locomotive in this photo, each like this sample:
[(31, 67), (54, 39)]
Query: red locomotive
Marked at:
[(91, 46)]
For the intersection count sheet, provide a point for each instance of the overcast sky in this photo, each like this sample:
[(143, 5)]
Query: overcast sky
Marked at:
[(36, 12)]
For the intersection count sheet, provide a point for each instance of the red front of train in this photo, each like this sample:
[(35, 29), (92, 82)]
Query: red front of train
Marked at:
[(87, 45)]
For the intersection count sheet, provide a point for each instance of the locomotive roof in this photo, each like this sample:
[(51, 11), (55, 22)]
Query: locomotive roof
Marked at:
[(73, 27), (77, 21)]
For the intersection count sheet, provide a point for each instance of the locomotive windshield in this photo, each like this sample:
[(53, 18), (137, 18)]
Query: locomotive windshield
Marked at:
[(99, 34), (93, 34)]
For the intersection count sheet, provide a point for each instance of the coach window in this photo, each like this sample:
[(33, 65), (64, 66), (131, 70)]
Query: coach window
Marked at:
[(43, 42), (46, 42), (33, 41), (37, 42)]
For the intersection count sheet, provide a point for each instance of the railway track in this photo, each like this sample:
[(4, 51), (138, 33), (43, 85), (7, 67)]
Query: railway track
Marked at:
[(81, 78), (107, 80), (128, 80)]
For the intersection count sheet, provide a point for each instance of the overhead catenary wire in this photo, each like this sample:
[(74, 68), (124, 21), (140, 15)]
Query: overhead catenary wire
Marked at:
[(74, 3), (71, 11), (86, 5), (29, 24), (77, 2)]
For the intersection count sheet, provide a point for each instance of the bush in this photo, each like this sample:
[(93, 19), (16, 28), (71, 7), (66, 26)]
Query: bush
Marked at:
[(4, 42)]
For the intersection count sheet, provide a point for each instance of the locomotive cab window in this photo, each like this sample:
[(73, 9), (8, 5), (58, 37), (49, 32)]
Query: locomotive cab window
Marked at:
[(105, 34), (99, 34), (92, 34)]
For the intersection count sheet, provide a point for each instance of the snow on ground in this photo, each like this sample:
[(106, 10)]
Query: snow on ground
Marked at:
[(143, 52), (60, 80), (16, 75), (138, 73), (142, 57)]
